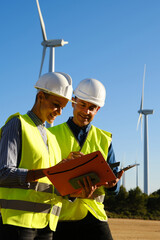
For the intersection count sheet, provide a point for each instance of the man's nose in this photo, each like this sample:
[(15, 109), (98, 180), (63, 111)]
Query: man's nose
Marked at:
[(86, 110)]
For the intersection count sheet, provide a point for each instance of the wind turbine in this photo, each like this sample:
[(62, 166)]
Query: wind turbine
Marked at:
[(48, 43), (145, 112), (137, 165), (137, 176), (123, 177), (51, 44)]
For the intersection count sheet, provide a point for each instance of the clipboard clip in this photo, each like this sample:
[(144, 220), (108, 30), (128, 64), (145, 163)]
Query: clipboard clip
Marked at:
[(114, 165)]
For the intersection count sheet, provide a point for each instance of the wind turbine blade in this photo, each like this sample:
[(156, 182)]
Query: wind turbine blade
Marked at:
[(138, 120), (141, 106), (43, 56), (41, 22)]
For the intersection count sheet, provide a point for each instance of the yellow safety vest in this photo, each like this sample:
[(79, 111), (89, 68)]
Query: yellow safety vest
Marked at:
[(97, 139), (37, 205)]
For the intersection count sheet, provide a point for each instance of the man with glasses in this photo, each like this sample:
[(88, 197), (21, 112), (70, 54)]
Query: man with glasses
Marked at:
[(29, 206)]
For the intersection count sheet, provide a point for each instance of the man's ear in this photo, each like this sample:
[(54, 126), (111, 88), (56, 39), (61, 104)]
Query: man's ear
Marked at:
[(98, 108), (40, 96)]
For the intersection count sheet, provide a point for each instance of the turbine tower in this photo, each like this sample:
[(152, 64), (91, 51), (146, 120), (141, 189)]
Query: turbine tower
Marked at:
[(123, 177), (48, 43), (145, 112), (137, 165), (124, 180)]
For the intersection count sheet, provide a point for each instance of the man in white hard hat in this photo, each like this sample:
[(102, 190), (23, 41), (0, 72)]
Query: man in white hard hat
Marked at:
[(85, 218), (29, 207)]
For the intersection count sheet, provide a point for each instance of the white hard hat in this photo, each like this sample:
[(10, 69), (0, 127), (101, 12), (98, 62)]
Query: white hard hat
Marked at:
[(56, 83), (91, 90)]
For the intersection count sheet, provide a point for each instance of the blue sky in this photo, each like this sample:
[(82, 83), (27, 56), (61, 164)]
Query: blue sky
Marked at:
[(109, 40)]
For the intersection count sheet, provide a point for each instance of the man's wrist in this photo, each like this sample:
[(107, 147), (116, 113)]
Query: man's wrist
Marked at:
[(33, 175)]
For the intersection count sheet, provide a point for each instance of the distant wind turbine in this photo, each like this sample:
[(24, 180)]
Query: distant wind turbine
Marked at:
[(124, 174), (123, 178), (48, 43), (137, 165), (145, 112)]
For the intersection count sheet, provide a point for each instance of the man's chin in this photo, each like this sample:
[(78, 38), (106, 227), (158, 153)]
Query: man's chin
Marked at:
[(50, 121), (83, 124)]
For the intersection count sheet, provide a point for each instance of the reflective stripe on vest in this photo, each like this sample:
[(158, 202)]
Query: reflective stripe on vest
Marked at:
[(29, 206), (99, 198), (37, 186)]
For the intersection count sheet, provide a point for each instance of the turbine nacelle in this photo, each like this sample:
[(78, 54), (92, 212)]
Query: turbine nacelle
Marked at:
[(146, 111), (54, 43)]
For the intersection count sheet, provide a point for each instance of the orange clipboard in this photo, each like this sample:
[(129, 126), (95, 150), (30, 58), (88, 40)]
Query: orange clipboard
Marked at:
[(61, 174)]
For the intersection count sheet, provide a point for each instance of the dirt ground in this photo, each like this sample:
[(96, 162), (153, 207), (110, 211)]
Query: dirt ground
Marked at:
[(133, 229)]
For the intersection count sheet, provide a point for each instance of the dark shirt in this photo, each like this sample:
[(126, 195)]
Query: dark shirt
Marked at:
[(81, 133)]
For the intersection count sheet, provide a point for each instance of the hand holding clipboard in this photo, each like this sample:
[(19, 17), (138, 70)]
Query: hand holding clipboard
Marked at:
[(67, 176), (62, 174)]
